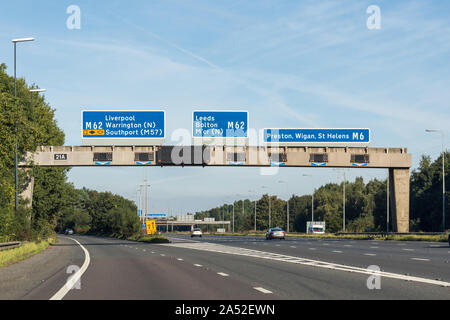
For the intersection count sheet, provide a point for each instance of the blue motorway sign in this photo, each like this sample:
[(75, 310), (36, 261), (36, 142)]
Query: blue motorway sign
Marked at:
[(157, 215), (123, 124), (317, 136), (220, 124)]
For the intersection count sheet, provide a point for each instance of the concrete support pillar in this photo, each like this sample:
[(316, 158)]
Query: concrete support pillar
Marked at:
[(27, 192), (399, 199)]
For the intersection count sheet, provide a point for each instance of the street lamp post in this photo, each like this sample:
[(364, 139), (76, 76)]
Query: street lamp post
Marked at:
[(443, 176), (252, 191), (31, 95), (233, 216), (343, 202), (16, 148), (287, 205), (312, 198), (33, 91), (270, 222), (387, 201)]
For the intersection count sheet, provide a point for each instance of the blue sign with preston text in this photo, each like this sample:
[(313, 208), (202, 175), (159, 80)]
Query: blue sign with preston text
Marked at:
[(314, 136)]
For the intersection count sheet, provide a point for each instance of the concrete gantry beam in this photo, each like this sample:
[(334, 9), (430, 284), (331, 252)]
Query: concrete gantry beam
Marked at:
[(343, 157), (397, 160)]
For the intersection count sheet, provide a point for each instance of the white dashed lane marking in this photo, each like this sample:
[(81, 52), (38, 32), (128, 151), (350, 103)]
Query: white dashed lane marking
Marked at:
[(222, 274), (262, 290), (420, 259)]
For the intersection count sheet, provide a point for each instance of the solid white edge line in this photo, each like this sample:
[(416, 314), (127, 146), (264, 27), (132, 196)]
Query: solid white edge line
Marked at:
[(74, 279)]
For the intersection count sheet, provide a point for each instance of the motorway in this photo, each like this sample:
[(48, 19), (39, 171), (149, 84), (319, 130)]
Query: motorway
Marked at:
[(231, 267)]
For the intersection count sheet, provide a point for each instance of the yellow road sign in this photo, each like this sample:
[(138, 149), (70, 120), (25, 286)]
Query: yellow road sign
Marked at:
[(93, 132), (151, 226)]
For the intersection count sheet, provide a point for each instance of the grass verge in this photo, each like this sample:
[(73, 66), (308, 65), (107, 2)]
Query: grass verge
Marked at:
[(26, 250), (149, 239)]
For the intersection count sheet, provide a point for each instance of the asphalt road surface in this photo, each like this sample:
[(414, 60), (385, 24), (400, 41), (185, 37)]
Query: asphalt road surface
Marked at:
[(230, 267)]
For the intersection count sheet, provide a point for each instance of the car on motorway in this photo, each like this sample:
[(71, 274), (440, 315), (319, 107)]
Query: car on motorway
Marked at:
[(196, 232), (275, 233), (68, 231)]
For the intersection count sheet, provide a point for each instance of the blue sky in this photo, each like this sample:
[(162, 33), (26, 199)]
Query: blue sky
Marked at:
[(289, 63)]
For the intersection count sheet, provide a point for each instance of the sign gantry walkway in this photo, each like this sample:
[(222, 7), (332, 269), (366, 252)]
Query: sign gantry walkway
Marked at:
[(396, 160)]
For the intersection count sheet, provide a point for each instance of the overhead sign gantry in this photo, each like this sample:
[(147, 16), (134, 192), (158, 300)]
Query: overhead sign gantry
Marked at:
[(220, 138)]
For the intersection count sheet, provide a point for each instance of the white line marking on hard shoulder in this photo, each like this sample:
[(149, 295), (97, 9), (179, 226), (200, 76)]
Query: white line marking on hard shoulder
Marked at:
[(198, 265), (179, 259), (262, 290), (408, 249), (337, 251), (74, 279), (420, 259), (370, 254), (222, 274)]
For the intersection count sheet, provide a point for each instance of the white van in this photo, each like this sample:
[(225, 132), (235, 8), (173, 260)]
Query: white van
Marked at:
[(316, 229)]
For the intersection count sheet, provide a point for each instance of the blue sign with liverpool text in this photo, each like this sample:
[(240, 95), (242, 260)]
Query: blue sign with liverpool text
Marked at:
[(123, 124)]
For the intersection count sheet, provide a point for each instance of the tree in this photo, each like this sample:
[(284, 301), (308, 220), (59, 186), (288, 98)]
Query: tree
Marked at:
[(35, 126)]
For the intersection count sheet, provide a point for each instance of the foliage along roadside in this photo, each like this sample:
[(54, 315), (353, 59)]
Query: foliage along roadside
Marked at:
[(26, 250), (365, 205), (99, 213), (36, 126)]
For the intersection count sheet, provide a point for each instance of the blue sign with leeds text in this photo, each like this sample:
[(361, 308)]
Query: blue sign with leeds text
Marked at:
[(220, 124), (123, 124), (314, 136)]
